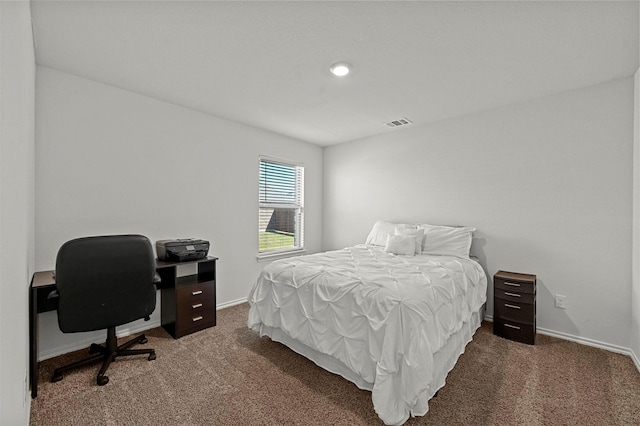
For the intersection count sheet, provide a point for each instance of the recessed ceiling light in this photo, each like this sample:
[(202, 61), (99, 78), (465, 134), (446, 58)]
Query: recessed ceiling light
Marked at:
[(340, 69)]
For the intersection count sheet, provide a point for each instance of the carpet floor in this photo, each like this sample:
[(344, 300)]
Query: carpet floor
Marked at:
[(227, 375)]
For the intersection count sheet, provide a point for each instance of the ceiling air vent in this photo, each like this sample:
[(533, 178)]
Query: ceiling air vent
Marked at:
[(399, 122)]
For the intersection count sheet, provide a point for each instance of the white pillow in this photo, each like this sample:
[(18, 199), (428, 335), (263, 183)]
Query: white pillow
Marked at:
[(447, 240), (381, 230), (400, 244), (417, 234)]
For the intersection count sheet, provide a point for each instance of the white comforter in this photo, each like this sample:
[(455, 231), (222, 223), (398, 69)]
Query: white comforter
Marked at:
[(383, 316)]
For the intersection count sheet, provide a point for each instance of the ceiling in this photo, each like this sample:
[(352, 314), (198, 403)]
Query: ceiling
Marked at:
[(266, 64)]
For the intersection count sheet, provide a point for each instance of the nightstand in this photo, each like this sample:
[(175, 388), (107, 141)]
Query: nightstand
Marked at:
[(514, 306)]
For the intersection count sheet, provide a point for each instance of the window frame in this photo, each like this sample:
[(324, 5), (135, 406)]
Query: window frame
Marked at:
[(298, 207)]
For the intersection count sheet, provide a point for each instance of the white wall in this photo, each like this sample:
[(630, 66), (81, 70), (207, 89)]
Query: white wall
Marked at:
[(547, 183), (635, 291), (111, 161), (17, 85)]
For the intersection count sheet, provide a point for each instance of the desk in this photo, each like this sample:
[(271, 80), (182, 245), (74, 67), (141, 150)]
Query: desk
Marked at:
[(188, 304)]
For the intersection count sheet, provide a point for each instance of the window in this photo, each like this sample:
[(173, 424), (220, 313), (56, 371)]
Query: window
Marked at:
[(281, 207)]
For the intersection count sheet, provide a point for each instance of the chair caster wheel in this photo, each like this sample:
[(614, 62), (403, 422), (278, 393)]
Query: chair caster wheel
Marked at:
[(93, 349), (56, 378), (152, 356), (143, 340), (102, 380)]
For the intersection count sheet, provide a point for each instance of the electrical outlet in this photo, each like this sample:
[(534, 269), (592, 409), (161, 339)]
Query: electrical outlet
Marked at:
[(561, 301)]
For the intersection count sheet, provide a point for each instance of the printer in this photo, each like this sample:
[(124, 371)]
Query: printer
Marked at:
[(182, 250)]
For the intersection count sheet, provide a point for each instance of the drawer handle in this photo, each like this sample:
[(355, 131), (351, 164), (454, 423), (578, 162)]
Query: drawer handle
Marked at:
[(512, 326), (199, 318), (199, 305), (511, 306), (511, 284), (506, 293), (195, 293)]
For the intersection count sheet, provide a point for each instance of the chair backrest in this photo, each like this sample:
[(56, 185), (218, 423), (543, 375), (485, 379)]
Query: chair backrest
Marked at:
[(104, 282)]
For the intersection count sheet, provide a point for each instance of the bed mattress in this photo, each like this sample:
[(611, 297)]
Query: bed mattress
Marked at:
[(380, 320)]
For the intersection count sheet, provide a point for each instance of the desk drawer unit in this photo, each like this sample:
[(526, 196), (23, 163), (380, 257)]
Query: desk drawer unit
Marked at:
[(189, 302), (195, 307), (514, 306)]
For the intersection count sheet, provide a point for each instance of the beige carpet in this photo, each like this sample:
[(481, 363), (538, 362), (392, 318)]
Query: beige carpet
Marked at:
[(227, 375)]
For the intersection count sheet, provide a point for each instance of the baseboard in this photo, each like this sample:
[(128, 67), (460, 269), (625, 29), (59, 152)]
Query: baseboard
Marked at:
[(231, 303), (635, 360), (122, 332), (585, 341)]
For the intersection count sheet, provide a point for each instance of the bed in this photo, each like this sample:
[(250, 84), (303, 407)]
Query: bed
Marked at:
[(391, 315)]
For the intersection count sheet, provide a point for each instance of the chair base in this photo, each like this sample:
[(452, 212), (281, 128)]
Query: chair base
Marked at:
[(107, 353)]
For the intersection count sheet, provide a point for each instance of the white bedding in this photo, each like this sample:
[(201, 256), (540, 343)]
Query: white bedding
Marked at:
[(383, 316)]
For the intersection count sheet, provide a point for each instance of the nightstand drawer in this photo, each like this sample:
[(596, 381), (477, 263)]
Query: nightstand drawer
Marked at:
[(514, 296), (516, 311), (515, 286), (513, 330)]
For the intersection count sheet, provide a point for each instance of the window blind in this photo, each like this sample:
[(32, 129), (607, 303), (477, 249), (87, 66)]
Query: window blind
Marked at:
[(281, 206)]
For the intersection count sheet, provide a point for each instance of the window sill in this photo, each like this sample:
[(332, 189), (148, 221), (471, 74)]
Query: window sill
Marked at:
[(263, 257)]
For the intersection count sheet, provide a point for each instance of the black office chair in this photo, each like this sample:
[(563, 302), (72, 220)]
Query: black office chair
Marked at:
[(104, 282)]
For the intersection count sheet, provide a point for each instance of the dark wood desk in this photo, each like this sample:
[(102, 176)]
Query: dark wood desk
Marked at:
[(188, 304)]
